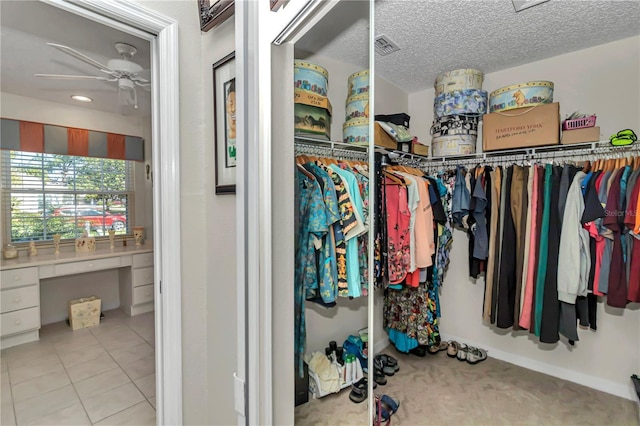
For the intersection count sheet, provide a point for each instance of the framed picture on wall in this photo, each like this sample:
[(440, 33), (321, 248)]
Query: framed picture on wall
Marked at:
[(214, 12), (224, 111)]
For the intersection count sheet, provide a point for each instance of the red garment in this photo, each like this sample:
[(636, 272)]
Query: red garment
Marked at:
[(398, 232), (617, 293), (600, 244)]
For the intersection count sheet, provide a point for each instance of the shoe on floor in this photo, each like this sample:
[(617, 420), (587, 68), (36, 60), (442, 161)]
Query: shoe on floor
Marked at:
[(382, 363), (434, 349), (359, 391), (452, 348), (462, 352), (390, 361), (419, 351), (475, 355)]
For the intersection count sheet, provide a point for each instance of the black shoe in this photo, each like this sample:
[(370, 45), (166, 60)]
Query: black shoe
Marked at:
[(420, 351)]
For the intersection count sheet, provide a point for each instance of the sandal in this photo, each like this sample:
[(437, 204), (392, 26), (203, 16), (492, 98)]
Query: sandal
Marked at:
[(462, 352), (359, 391), (434, 349), (381, 362), (385, 408), (379, 376), (390, 361), (475, 355), (452, 349)]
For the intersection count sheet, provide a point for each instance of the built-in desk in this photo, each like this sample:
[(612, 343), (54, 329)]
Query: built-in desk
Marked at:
[(20, 285)]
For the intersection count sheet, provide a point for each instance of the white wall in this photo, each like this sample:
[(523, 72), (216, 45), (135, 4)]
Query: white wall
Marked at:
[(601, 80), (22, 108), (207, 227), (604, 80)]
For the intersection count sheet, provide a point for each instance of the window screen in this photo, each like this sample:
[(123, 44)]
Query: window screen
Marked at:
[(46, 194)]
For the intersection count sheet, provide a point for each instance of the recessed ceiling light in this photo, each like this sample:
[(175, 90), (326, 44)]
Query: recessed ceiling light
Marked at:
[(81, 98)]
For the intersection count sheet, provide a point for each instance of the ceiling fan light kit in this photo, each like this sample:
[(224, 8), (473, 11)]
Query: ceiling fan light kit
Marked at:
[(123, 70)]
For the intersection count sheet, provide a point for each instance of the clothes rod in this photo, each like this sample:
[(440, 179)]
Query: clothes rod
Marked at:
[(602, 148), (331, 144)]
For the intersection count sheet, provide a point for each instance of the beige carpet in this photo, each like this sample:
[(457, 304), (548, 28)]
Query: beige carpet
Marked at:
[(437, 390)]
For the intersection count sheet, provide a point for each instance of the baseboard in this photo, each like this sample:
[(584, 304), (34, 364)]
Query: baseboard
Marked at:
[(597, 383)]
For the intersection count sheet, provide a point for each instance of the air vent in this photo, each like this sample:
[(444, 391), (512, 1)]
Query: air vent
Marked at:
[(385, 46)]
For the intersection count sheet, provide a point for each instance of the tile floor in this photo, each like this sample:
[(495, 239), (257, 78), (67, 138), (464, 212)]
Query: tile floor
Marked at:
[(102, 375)]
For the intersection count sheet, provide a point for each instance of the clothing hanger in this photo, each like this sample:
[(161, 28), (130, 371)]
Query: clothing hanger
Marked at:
[(395, 178)]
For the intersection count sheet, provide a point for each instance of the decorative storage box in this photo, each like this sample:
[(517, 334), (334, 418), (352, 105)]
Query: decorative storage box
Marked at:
[(357, 107), (445, 146), (358, 83), (521, 95), (356, 131), (460, 79), (310, 77), (532, 126), (454, 125), (312, 115), (85, 244), (84, 312), (461, 102)]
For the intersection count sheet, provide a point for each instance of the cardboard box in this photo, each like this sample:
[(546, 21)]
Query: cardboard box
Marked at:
[(382, 138), (588, 134), (84, 312), (523, 127), (419, 149)]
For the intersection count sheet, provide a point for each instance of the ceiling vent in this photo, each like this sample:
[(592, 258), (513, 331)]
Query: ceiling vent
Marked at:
[(385, 46)]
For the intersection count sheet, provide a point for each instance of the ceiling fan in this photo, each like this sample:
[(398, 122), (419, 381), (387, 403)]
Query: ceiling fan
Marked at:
[(122, 70)]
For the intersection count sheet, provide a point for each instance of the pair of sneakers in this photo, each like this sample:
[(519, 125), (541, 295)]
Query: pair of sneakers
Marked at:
[(463, 352)]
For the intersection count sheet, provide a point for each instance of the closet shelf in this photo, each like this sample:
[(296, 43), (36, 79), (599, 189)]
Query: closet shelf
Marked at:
[(533, 153), (330, 144)]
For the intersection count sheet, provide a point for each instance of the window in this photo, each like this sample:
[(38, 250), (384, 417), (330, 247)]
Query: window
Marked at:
[(46, 194)]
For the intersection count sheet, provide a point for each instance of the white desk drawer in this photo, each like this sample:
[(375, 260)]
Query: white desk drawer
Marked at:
[(18, 277), (19, 321), (143, 294), (87, 266), (19, 298), (142, 260), (142, 276)]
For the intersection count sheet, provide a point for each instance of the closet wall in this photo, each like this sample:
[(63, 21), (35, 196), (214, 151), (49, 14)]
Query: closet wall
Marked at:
[(324, 325), (604, 80)]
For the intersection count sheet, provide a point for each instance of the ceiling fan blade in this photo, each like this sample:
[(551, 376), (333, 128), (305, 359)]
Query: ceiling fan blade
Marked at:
[(71, 52), (75, 77)]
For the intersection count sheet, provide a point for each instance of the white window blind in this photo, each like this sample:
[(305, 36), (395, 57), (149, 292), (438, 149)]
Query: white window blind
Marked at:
[(46, 194)]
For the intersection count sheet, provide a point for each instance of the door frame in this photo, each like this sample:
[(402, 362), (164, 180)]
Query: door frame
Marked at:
[(162, 33)]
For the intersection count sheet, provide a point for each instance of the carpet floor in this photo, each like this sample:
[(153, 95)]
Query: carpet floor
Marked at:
[(437, 390)]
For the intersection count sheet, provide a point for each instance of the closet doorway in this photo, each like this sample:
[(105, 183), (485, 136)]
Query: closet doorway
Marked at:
[(155, 204)]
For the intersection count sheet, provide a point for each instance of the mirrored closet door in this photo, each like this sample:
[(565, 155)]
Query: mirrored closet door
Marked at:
[(323, 183)]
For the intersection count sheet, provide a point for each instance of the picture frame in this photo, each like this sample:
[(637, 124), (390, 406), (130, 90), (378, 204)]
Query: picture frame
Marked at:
[(224, 113), (214, 12)]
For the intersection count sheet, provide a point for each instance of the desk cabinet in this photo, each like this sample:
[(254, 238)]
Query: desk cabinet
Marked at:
[(20, 281), (19, 305), (136, 285)]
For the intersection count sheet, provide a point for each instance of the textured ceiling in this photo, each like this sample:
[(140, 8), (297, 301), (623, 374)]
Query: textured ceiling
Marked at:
[(438, 35), (25, 28)]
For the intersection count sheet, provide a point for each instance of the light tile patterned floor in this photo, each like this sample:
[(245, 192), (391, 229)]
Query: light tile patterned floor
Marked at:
[(103, 375)]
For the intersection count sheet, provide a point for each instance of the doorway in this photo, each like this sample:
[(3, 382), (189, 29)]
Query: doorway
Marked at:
[(161, 34)]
